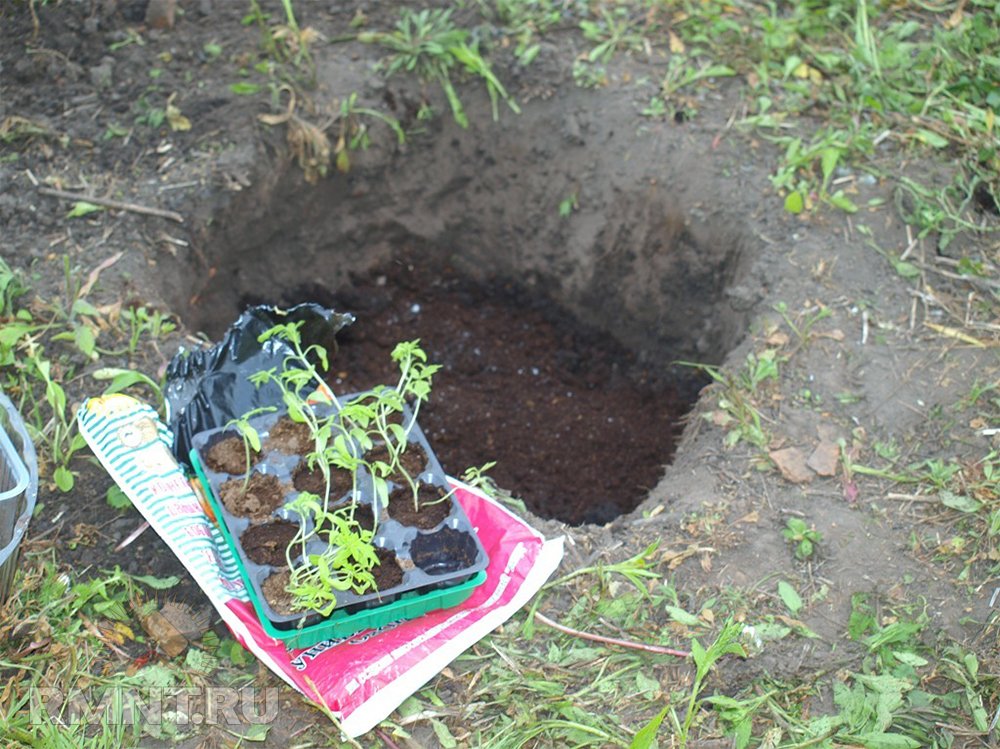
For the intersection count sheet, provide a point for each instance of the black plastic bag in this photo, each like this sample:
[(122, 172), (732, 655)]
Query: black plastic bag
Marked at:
[(208, 388)]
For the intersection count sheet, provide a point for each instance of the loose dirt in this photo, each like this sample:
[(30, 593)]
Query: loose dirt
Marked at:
[(255, 498)]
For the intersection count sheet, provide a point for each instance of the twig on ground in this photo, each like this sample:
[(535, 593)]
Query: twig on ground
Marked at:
[(116, 204), (912, 497), (385, 739), (132, 536), (611, 640)]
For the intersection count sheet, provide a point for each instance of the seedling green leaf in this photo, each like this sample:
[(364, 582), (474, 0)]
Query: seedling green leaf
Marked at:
[(959, 502), (790, 597), (794, 202), (63, 478), (645, 737), (683, 617), (117, 499), (83, 208), (244, 88), (157, 583)]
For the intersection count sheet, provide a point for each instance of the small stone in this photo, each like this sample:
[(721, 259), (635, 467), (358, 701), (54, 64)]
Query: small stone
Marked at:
[(101, 75), (206, 7), (824, 458), (91, 25), (160, 14), (792, 464)]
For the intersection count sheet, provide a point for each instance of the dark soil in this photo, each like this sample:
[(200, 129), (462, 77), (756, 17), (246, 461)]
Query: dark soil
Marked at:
[(274, 591), (363, 515), (229, 455), (442, 552), (388, 574), (574, 422), (266, 543), (431, 512), (306, 479), (255, 499), (289, 437)]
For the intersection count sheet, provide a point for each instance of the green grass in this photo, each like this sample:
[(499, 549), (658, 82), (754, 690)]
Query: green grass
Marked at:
[(47, 346), (844, 89), (428, 44)]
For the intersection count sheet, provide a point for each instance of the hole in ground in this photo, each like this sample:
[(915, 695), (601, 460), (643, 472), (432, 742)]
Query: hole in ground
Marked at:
[(576, 424), (556, 334)]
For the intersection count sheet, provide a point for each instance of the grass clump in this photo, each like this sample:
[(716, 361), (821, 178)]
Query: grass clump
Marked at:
[(430, 45)]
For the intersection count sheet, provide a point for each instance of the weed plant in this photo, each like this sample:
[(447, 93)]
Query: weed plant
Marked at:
[(42, 345), (430, 45)]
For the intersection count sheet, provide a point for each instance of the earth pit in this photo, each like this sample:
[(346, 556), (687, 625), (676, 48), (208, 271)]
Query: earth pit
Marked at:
[(559, 313)]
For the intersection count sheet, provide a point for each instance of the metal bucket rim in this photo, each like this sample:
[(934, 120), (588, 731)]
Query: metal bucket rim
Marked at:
[(30, 463), (16, 463)]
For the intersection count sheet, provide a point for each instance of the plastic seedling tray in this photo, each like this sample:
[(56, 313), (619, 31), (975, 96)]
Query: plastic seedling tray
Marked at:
[(431, 579)]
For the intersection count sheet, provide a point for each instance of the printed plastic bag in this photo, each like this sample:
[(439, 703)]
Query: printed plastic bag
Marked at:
[(360, 679), (208, 387)]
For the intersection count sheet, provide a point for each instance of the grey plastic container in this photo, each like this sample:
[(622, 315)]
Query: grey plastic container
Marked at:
[(18, 489), (391, 535)]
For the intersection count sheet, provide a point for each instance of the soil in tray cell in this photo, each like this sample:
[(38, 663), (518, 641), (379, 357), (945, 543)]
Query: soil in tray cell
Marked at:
[(307, 479), (431, 512), (255, 499), (274, 591), (388, 573), (413, 460), (266, 543), (362, 514), (289, 437), (447, 550), (229, 455)]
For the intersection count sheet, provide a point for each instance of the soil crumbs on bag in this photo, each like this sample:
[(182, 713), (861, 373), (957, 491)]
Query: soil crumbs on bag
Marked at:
[(570, 417)]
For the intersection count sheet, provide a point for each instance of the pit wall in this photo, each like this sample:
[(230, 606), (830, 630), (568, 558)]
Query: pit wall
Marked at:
[(647, 253)]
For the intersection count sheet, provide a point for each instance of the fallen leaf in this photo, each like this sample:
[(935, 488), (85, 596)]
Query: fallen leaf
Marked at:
[(797, 625), (824, 458), (959, 502), (836, 334), (792, 464), (117, 632), (720, 418), (160, 14), (676, 45), (177, 121), (96, 273), (956, 17), (750, 517), (777, 339), (674, 559), (166, 634)]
